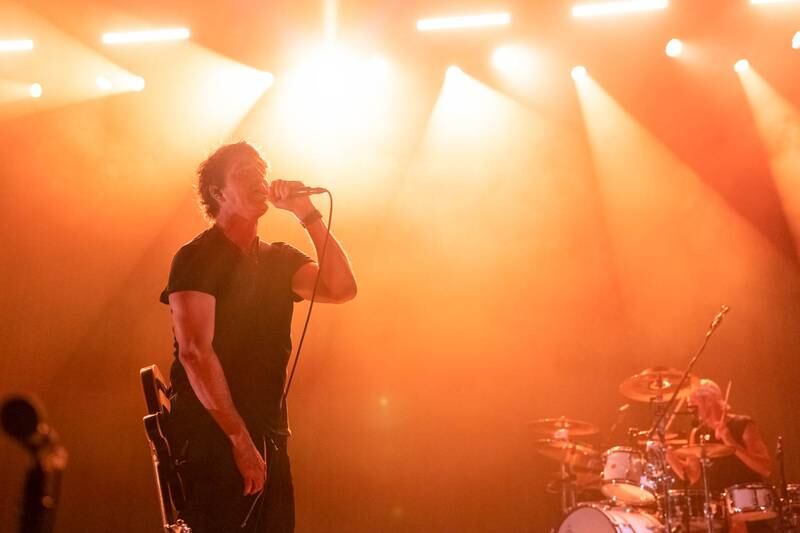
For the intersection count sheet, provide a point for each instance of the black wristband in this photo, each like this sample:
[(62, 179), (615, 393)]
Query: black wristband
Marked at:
[(313, 216)]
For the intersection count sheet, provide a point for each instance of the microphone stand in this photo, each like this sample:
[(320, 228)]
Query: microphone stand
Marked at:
[(658, 426), (711, 328), (782, 497)]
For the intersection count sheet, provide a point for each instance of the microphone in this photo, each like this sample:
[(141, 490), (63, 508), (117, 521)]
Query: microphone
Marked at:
[(717, 319), (23, 419), (306, 191)]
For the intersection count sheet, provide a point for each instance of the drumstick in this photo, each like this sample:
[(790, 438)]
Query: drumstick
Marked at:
[(727, 395), (725, 408)]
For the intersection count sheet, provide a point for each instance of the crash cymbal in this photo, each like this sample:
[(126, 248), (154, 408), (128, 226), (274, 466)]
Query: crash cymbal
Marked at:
[(572, 427), (711, 450), (656, 384), (581, 456)]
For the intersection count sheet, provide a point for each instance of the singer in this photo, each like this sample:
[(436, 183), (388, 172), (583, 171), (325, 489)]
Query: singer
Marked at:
[(231, 297)]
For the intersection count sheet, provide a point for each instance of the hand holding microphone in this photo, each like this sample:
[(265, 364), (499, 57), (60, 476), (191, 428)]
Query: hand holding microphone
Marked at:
[(292, 196)]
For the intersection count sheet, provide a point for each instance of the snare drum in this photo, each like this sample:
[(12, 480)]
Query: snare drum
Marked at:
[(689, 506), (750, 502), (598, 518), (624, 476)]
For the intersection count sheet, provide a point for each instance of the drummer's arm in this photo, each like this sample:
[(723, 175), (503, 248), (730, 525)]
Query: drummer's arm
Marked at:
[(754, 453), (677, 464), (684, 468), (693, 470)]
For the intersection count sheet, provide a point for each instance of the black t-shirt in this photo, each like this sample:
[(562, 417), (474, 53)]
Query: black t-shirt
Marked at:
[(253, 315), (727, 471)]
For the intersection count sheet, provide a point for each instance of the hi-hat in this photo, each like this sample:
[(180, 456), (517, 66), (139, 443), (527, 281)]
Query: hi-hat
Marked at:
[(577, 455), (564, 426), (656, 384)]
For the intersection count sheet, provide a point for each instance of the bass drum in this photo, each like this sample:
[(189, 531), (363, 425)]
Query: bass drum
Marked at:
[(598, 518)]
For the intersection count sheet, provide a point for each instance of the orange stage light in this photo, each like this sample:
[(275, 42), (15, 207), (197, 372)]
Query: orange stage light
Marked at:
[(16, 45), (146, 36), (674, 48), (616, 8), (579, 73), (464, 21)]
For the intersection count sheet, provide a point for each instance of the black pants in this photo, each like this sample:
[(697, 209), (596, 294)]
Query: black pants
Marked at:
[(214, 487)]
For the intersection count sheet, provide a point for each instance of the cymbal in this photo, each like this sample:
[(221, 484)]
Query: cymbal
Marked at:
[(581, 456), (671, 439), (657, 383), (575, 428), (711, 450)]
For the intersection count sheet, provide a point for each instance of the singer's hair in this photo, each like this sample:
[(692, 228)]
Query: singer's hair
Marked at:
[(212, 171)]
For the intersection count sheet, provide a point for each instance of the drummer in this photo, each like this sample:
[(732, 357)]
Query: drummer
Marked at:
[(750, 461)]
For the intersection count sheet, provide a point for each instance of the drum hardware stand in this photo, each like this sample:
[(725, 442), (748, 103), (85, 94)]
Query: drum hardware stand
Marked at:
[(567, 489), (656, 447)]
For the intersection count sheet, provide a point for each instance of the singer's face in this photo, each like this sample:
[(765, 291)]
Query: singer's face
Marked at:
[(245, 191)]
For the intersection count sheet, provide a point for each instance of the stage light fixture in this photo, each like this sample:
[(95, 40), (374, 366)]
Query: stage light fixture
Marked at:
[(103, 83), (454, 70), (618, 7), (464, 21), (579, 73), (35, 90), (146, 36), (378, 65), (741, 66), (16, 45), (507, 58), (796, 41), (137, 83), (674, 48)]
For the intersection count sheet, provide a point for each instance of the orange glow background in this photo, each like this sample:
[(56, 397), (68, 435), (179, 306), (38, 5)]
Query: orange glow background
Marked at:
[(522, 244)]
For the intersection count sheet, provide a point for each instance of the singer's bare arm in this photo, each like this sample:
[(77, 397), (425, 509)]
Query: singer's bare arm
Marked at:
[(193, 316), (337, 283)]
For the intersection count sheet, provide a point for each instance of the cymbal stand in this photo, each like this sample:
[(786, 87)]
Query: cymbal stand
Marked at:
[(657, 448), (704, 462), (567, 489)]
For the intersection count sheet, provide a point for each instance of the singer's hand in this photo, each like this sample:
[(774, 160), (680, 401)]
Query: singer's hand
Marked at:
[(251, 465), (279, 194)]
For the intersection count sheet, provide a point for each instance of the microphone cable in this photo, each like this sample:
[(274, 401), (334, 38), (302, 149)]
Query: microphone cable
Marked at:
[(311, 304)]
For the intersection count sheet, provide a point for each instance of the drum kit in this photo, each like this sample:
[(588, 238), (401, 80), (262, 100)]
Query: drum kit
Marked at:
[(639, 492)]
